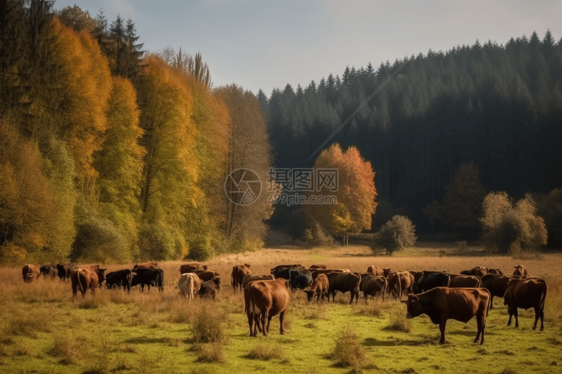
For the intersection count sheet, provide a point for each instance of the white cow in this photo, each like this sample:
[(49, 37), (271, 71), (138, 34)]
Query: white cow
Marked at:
[(189, 285)]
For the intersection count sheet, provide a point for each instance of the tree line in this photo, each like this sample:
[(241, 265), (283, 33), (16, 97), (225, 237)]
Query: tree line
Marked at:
[(112, 153), (489, 111)]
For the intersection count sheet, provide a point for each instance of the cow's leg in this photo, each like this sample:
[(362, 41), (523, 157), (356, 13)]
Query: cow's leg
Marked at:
[(492, 301), (281, 318), (537, 315), (510, 311), (516, 317), (542, 319), (250, 322), (442, 326), (265, 321), (74, 292), (480, 329)]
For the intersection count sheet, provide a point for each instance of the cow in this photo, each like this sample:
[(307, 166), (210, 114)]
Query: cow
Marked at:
[(149, 277), (429, 280), (299, 278), (120, 278), (494, 271), (65, 270), (374, 270), (238, 272), (400, 282), (317, 267), (87, 277), (496, 284), (443, 303), (526, 293), (189, 285), (374, 285), (385, 272), (319, 287), (298, 266), (192, 267), (49, 270), (250, 278), (206, 275), (479, 271), (209, 288), (317, 272), (146, 265), (464, 281), (29, 273), (265, 299), (521, 272), (344, 282)]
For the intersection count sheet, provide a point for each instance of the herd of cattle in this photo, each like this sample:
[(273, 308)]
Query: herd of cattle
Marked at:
[(438, 294)]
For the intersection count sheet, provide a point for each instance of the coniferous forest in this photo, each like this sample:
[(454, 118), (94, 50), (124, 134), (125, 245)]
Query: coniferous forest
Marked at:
[(495, 109)]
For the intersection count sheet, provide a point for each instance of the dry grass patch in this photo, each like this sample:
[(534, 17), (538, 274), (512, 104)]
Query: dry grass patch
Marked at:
[(208, 326), (370, 310), (349, 352), (66, 348), (266, 352), (93, 303), (212, 352), (28, 324), (398, 322)]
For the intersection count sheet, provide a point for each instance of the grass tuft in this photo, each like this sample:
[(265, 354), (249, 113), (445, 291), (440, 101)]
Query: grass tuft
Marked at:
[(266, 352), (349, 352), (399, 322), (209, 353), (208, 326)]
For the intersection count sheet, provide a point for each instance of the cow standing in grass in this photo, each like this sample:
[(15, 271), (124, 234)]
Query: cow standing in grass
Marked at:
[(344, 282), (520, 272), (189, 285), (65, 270), (87, 277), (120, 278), (526, 293), (373, 285), (443, 303), (264, 300), (250, 278), (496, 284), (149, 277), (431, 279), (375, 270), (238, 273), (464, 281), (49, 270), (319, 287), (29, 273)]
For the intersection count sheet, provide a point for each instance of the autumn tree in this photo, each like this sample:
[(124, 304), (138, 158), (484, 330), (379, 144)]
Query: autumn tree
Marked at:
[(509, 227), (355, 195), (396, 235), (549, 207)]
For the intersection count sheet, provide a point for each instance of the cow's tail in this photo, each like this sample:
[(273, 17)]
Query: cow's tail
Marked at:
[(161, 285), (543, 298), (190, 288), (358, 285), (78, 279)]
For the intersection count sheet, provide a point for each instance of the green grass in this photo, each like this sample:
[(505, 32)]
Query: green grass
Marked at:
[(124, 338)]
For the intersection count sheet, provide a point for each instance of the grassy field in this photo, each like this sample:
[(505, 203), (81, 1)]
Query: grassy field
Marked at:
[(44, 331)]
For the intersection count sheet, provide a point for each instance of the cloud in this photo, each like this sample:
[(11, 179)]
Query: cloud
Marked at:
[(123, 8)]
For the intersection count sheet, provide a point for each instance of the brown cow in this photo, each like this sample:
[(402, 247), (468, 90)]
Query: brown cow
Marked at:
[(209, 288), (286, 267), (479, 271), (189, 285), (250, 278), (374, 285), (317, 267), (265, 299), (317, 272), (319, 287), (521, 272), (443, 303), (464, 281), (206, 275), (526, 293), (30, 272), (496, 284), (494, 271), (344, 282), (191, 267), (49, 270), (146, 265), (374, 270), (238, 272), (400, 282), (385, 272), (86, 277)]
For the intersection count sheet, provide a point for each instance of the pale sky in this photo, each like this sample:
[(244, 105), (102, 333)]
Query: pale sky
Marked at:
[(267, 44)]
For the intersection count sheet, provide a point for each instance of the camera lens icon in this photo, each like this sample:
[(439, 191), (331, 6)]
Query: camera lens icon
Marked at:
[(242, 186)]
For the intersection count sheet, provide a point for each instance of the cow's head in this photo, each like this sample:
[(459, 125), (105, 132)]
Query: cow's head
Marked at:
[(309, 294), (101, 275), (386, 272), (415, 307), (217, 281)]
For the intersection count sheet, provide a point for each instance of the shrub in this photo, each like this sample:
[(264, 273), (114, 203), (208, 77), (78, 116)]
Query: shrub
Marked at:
[(207, 326), (200, 248), (266, 352), (399, 322), (349, 352), (67, 349), (99, 240), (396, 234), (210, 353), (509, 228)]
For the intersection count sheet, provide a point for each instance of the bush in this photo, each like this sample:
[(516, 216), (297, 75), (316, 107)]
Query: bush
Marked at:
[(207, 326), (157, 242), (509, 228), (210, 353), (200, 248), (98, 240), (266, 352), (399, 322), (396, 234), (349, 352)]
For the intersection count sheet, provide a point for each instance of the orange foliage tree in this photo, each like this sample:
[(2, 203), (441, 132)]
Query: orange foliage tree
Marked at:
[(355, 196)]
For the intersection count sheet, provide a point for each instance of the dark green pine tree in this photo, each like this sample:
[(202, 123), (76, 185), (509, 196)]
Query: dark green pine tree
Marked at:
[(117, 33)]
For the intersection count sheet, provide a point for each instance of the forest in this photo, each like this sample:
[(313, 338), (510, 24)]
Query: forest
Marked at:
[(441, 130), (112, 153)]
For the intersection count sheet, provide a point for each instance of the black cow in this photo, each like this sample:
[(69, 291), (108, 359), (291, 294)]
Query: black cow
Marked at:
[(282, 273), (121, 278), (49, 270), (299, 278), (64, 270), (344, 282), (209, 288), (429, 280), (149, 277)]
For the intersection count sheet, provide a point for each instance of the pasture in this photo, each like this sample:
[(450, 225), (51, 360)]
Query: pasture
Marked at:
[(42, 330)]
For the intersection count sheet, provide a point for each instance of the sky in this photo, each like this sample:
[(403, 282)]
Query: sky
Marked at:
[(262, 44)]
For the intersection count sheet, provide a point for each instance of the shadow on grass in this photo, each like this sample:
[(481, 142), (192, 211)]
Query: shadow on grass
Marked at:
[(147, 340), (372, 342)]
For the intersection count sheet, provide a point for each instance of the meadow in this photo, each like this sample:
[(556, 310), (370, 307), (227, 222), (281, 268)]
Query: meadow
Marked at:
[(42, 330)]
